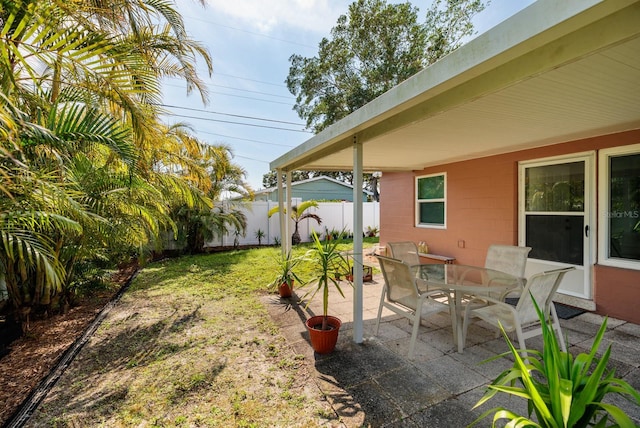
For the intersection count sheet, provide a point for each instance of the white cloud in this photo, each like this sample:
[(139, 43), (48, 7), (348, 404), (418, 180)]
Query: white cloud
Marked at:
[(317, 16)]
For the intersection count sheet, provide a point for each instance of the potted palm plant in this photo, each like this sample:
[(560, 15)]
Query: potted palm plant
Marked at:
[(323, 329), (286, 276)]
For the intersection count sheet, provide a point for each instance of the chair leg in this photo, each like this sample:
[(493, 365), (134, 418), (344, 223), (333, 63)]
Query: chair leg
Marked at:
[(451, 302), (414, 333), (455, 306), (384, 293), (465, 327)]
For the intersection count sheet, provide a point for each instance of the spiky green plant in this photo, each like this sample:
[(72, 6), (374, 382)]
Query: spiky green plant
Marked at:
[(562, 391), (260, 236), (286, 264), (328, 260)]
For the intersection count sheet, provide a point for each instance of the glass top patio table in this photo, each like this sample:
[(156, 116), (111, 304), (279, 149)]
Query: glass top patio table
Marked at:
[(467, 281)]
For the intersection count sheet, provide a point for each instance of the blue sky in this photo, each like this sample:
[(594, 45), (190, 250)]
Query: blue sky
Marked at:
[(250, 41)]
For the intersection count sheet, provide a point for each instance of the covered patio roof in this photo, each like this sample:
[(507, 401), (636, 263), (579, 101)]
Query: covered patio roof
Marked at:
[(555, 72)]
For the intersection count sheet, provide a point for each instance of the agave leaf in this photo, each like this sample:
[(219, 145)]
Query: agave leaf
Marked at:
[(588, 393), (565, 365), (521, 421), (580, 368), (512, 390), (486, 397), (555, 387), (515, 420), (622, 387), (602, 423), (506, 377), (621, 418), (529, 384), (535, 360), (565, 391), (484, 415)]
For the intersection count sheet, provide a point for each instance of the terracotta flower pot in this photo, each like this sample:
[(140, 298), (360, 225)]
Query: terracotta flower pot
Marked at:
[(367, 274), (323, 341), (285, 289)]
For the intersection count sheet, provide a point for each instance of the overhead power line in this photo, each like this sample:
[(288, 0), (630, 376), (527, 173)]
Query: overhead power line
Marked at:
[(239, 89), (251, 98), (245, 139), (236, 123), (251, 80), (288, 97), (245, 157), (239, 96), (230, 114)]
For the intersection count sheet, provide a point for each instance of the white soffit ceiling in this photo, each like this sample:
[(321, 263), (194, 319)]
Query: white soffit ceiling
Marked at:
[(595, 95)]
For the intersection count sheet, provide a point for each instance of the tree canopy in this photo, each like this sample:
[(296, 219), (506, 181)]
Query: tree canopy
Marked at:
[(372, 48)]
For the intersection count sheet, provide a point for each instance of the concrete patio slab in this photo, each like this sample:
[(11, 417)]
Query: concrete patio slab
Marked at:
[(375, 384)]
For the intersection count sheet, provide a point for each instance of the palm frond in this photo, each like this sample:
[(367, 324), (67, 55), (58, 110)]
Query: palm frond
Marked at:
[(84, 126)]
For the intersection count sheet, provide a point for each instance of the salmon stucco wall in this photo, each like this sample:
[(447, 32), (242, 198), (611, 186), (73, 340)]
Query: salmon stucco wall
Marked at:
[(480, 208), (617, 293), (482, 197)]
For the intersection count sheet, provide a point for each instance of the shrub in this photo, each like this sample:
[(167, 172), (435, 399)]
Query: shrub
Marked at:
[(561, 390)]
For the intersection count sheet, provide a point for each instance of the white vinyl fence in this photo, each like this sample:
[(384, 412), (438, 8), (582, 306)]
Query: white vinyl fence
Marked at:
[(334, 215)]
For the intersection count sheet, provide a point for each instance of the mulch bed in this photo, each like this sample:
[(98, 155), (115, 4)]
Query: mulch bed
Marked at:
[(33, 356)]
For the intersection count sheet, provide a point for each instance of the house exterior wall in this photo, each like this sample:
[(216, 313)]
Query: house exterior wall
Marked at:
[(481, 208), (315, 190), (482, 203), (321, 190)]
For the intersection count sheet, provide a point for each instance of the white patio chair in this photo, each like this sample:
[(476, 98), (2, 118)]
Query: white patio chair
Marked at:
[(402, 295), (504, 258), (407, 251), (523, 318), (509, 259)]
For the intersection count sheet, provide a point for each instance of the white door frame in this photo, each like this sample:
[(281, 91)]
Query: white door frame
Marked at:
[(583, 298)]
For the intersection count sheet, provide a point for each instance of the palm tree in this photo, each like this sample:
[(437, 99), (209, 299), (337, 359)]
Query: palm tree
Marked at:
[(211, 171), (297, 215), (79, 86), (259, 234)]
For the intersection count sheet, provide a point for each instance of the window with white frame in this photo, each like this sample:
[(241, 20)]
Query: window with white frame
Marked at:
[(619, 205), (431, 194)]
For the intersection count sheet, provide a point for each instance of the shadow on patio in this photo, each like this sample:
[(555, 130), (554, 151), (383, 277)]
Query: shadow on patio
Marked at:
[(375, 384)]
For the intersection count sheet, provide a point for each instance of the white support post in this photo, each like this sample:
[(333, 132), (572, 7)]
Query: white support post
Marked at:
[(357, 242), (282, 217), (287, 234)]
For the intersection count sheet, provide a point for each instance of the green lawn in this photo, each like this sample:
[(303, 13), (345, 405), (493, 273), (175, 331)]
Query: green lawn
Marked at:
[(190, 344)]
